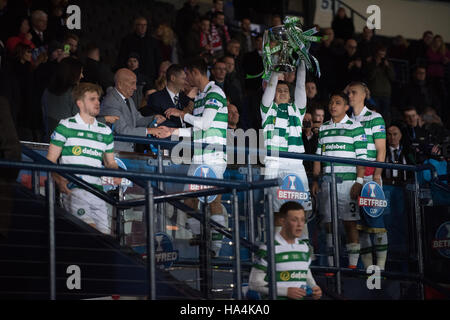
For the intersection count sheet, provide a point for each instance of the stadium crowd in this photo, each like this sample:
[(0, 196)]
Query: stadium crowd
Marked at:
[(41, 63)]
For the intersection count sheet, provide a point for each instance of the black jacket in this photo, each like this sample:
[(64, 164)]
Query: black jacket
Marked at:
[(148, 50), (160, 101)]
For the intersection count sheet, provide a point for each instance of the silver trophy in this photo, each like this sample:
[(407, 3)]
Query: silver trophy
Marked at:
[(281, 59)]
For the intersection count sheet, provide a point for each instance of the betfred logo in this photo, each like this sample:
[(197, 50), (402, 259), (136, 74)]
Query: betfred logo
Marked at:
[(441, 241), (204, 172), (372, 199), (292, 189)]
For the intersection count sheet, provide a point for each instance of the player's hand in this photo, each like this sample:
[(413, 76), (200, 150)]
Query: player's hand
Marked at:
[(174, 112), (160, 119), (296, 293), (315, 188), (117, 181), (111, 119), (316, 293), (377, 179), (355, 192), (62, 184)]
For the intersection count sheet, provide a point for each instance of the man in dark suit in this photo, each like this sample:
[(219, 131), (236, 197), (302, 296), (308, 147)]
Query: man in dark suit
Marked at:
[(399, 153), (141, 42), (39, 20), (118, 103), (172, 96)]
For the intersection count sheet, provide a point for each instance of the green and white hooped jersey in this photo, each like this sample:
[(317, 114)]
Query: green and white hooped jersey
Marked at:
[(214, 98), (83, 145), (346, 139), (282, 125), (374, 127), (292, 262)]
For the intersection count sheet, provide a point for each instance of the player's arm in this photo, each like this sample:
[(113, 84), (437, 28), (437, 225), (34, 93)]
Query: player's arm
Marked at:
[(379, 138), (269, 95), (360, 146), (300, 89), (380, 145), (54, 152)]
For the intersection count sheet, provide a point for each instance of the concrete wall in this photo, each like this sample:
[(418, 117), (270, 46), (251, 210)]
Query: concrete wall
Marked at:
[(408, 18)]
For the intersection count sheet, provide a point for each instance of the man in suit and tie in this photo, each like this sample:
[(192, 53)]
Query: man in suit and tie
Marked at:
[(118, 103), (398, 153), (39, 21), (172, 96)]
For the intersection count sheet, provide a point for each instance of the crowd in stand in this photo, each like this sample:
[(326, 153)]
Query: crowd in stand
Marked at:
[(41, 62)]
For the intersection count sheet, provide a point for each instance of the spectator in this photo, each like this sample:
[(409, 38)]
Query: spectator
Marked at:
[(187, 17), (413, 133), (191, 42), (276, 21), (57, 19), (419, 93), (24, 36), (327, 56), (398, 152), (143, 84), (95, 71), (310, 140), (234, 50), (118, 102), (366, 45), (72, 40), (141, 42), (57, 100), (438, 57), (172, 96), (342, 26), (244, 36), (232, 75), (218, 27), (311, 95), (39, 20), (168, 43), (20, 75), (206, 40), (399, 48), (350, 67), (432, 123), (287, 242), (417, 51), (217, 7), (160, 83), (380, 74), (233, 117)]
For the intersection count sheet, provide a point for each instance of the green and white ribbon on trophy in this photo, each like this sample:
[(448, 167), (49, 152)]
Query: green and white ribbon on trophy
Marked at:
[(280, 43)]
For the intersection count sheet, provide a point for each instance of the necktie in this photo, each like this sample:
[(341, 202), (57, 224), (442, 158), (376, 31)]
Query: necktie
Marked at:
[(128, 104), (176, 101), (396, 155)]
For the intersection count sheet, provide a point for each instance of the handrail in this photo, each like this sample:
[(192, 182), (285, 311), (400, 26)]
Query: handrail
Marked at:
[(280, 154)]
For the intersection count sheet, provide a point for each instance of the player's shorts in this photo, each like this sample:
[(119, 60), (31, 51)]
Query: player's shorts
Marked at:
[(347, 208), (280, 168), (369, 224), (88, 208)]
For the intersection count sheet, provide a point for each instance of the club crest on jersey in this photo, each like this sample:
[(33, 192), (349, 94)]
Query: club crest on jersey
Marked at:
[(372, 199), (204, 171), (292, 189), (441, 241)]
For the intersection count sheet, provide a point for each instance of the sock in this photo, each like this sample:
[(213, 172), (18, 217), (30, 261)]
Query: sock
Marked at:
[(330, 249), (366, 249), (353, 253), (194, 225), (216, 237), (381, 246)]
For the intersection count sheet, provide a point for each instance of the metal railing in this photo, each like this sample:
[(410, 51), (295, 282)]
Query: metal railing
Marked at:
[(154, 195)]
